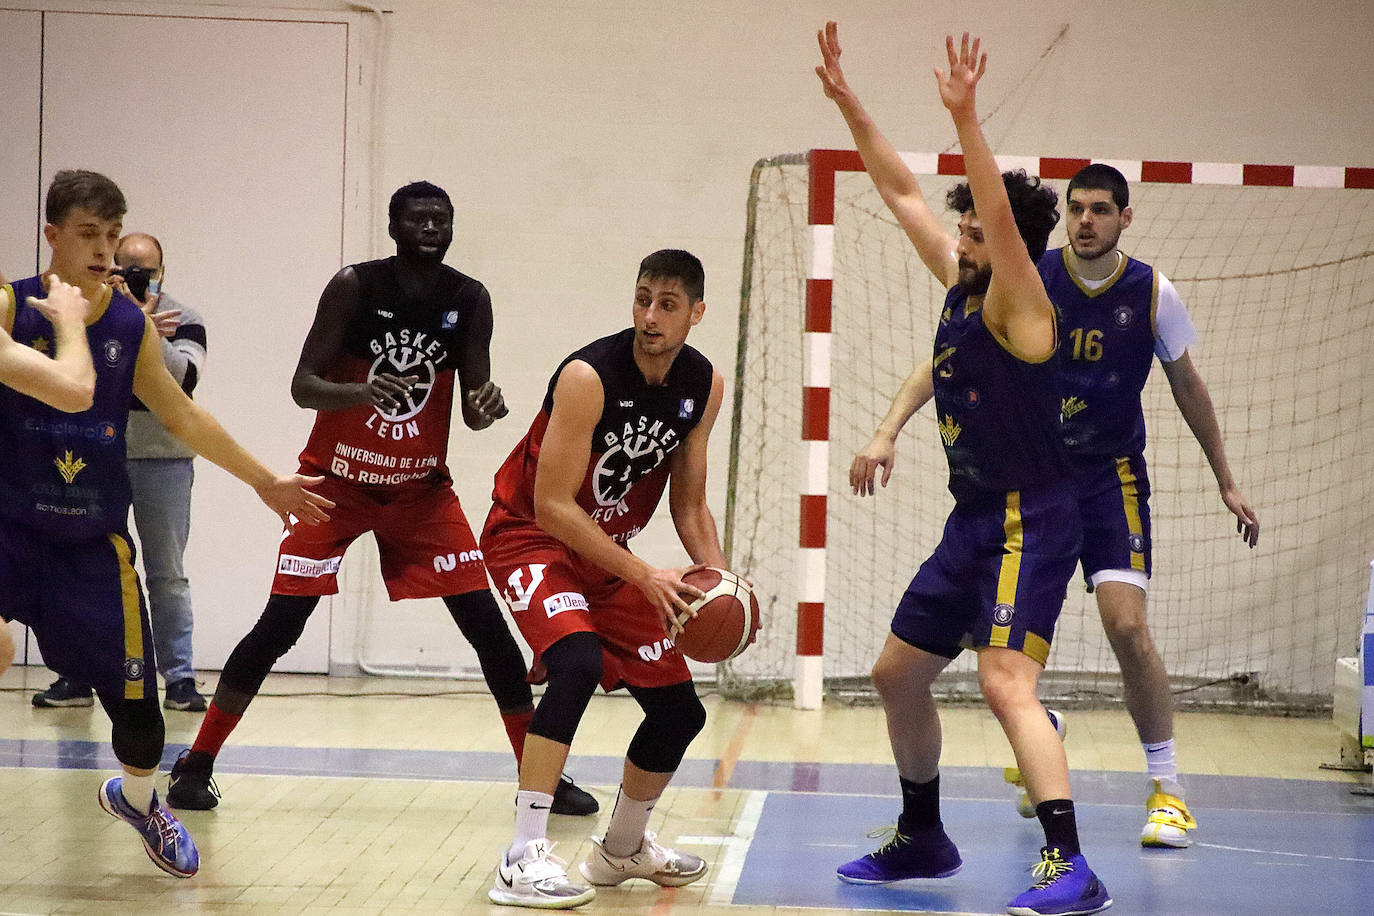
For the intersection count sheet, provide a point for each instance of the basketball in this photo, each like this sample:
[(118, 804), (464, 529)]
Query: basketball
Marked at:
[(727, 617)]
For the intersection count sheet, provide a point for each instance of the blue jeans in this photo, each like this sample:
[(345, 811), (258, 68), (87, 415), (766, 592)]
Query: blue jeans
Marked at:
[(162, 515)]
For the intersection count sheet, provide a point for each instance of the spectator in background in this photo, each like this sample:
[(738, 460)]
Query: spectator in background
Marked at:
[(161, 472)]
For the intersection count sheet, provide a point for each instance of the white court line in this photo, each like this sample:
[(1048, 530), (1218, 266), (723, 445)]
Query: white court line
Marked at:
[(1274, 852), (735, 846)]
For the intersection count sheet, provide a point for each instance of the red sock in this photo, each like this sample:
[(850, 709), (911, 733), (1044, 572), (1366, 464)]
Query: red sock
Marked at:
[(214, 730), (517, 724)]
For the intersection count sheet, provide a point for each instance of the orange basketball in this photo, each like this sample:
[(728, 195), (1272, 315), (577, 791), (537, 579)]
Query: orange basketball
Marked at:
[(727, 617)]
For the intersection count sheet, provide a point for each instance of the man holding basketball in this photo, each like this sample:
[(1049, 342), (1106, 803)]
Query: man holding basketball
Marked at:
[(379, 367), (997, 579), (623, 418)]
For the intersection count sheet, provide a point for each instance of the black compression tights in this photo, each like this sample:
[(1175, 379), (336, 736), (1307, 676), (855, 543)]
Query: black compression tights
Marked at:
[(480, 621), (137, 730)]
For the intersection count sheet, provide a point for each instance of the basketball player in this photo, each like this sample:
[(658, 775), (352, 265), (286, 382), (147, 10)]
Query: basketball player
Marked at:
[(623, 417), (66, 563), (66, 381), (378, 365), (1117, 315), (997, 578)]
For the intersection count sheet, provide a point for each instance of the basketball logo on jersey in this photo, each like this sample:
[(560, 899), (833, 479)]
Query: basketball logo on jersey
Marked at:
[(449, 321), (684, 409), (113, 350), (402, 353), (1123, 316), (632, 452)]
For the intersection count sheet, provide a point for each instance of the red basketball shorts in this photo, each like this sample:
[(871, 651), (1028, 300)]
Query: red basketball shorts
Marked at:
[(553, 592), (426, 547)]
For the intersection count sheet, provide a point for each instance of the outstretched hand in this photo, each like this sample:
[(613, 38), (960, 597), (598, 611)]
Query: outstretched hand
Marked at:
[(832, 77), (290, 498), (1247, 522), (966, 68)]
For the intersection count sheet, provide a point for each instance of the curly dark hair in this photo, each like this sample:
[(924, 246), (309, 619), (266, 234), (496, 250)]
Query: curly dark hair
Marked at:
[(1034, 206)]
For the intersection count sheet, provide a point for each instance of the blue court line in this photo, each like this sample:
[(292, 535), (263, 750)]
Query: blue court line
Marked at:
[(976, 783), (1243, 862)]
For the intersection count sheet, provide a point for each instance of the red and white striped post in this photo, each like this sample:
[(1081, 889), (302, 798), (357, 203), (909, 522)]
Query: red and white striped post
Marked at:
[(808, 683)]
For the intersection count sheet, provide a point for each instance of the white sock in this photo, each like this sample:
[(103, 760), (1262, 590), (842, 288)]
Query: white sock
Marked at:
[(1159, 761), (138, 791), (531, 820), (629, 820)]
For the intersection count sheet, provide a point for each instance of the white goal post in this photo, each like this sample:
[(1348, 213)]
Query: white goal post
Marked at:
[(1276, 264)]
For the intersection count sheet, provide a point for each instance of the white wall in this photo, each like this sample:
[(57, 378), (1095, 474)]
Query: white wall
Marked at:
[(577, 136)]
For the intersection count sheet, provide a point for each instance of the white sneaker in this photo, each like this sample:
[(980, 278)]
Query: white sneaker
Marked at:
[(659, 864), (537, 879), (1024, 806)]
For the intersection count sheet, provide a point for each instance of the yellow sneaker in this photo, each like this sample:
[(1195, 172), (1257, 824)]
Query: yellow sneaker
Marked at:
[(1168, 821)]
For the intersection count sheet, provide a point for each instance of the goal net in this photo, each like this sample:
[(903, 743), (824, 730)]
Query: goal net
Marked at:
[(1275, 265)]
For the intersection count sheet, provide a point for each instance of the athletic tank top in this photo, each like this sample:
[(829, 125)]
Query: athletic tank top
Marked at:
[(998, 414), (397, 334), (1106, 347), (640, 426), (64, 473)]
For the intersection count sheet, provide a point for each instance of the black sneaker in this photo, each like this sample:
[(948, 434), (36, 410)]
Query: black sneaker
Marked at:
[(182, 695), (191, 786), (569, 799), (63, 692)]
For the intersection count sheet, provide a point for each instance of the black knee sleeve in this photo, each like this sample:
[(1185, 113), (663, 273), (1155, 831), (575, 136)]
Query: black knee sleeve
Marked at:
[(503, 667), (673, 716), (574, 666), (281, 624), (138, 732)]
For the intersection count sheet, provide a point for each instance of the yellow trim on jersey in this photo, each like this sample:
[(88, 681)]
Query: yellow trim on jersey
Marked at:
[(98, 308), (1122, 260), (1010, 574), (1005, 344), (7, 308), (133, 620), (1129, 494), (1154, 302)]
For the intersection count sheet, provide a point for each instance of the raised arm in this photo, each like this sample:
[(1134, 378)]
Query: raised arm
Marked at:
[(695, 524), (483, 404), (894, 181), (566, 449), (881, 451), (1195, 403), (67, 381), (1016, 305), (310, 388), (153, 385)]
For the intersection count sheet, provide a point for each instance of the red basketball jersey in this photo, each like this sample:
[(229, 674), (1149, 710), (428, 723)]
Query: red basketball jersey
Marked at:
[(397, 334), (641, 425)]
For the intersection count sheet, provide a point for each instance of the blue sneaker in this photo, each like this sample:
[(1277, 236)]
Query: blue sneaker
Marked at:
[(164, 838), (926, 853), (1065, 887)]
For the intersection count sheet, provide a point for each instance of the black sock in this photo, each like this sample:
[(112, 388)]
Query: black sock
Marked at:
[(920, 805), (1061, 827)]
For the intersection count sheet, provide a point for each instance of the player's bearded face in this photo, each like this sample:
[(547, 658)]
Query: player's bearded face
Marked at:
[(1094, 223), (975, 273), (974, 277), (423, 230)]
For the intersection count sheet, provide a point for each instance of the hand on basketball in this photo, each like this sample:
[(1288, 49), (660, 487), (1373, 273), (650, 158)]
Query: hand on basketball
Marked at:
[(665, 590), (832, 77), (1247, 522), (486, 404), (879, 453), (290, 498), (386, 391), (965, 69)]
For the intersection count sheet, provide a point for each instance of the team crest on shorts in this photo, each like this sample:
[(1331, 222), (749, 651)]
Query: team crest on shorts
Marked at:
[(133, 669), (113, 349), (1137, 542), (1002, 614), (1123, 316)]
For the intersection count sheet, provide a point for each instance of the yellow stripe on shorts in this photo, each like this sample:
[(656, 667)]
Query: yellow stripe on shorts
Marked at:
[(1010, 573), (133, 623), (1130, 502)]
